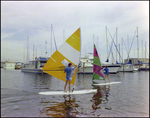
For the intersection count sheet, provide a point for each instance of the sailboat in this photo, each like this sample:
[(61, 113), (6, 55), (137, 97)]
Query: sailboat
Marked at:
[(68, 52), (97, 70)]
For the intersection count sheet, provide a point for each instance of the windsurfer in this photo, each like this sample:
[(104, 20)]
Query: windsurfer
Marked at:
[(68, 71), (106, 73)]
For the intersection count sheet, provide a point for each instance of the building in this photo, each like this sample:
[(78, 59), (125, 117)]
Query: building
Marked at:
[(135, 60)]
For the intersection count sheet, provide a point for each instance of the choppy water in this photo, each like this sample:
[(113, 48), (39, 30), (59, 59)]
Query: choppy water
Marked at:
[(19, 96)]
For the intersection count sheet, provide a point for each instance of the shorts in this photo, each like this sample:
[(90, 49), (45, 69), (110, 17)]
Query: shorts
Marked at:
[(68, 78), (107, 74)]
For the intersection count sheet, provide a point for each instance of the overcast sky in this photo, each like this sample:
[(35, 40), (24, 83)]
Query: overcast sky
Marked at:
[(33, 19)]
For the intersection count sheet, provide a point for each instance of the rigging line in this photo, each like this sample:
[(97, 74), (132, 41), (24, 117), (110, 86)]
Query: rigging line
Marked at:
[(131, 44), (115, 45), (54, 38), (112, 54), (110, 48), (125, 47)]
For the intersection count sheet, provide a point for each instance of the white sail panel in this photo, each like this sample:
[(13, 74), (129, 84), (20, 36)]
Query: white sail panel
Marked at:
[(69, 52)]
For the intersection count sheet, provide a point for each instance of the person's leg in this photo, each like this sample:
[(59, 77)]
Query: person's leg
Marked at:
[(108, 78), (105, 78), (65, 85), (69, 85)]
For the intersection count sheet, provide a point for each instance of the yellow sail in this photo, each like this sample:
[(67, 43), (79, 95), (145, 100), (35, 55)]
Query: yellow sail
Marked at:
[(68, 52)]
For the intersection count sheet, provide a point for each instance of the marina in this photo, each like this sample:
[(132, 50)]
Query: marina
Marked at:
[(92, 63), (20, 98)]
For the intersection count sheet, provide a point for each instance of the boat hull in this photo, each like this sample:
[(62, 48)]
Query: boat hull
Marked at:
[(89, 70), (37, 71), (127, 69), (9, 65)]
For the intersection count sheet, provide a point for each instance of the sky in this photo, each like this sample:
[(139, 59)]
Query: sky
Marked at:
[(31, 20)]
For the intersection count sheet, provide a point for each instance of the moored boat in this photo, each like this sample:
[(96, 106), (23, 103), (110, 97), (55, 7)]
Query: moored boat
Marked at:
[(9, 65), (18, 65), (35, 66), (128, 68), (86, 66)]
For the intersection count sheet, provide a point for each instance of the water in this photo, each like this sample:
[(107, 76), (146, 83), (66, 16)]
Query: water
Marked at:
[(19, 96)]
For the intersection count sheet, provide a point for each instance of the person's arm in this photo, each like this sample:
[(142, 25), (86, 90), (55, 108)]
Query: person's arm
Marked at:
[(74, 68), (64, 70)]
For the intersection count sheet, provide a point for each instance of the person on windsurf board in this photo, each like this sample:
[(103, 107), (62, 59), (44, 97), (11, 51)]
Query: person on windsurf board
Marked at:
[(106, 73), (68, 71)]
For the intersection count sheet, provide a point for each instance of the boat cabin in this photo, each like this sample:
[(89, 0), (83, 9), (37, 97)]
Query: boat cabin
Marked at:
[(38, 63)]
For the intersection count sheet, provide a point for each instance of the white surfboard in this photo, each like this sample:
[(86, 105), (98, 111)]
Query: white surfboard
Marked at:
[(106, 83), (64, 93)]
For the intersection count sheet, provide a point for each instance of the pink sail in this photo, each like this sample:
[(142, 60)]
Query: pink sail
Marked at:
[(97, 75)]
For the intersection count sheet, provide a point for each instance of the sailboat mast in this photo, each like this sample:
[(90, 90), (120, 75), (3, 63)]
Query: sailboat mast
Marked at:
[(51, 39), (36, 52), (137, 44), (119, 53), (142, 50), (145, 51), (106, 41), (28, 49), (116, 43), (45, 48), (24, 56), (33, 52), (122, 50), (128, 46)]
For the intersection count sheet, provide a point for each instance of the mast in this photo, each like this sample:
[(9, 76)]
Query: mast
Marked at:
[(41, 52), (145, 51), (128, 46), (137, 44), (27, 49), (122, 50), (33, 52), (106, 41), (119, 53), (51, 39), (116, 43), (134, 53), (36, 52), (142, 50), (45, 49)]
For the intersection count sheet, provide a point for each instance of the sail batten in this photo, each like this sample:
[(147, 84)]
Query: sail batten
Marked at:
[(68, 52)]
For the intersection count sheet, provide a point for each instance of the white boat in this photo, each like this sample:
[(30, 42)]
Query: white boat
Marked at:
[(86, 65), (9, 65), (18, 65), (144, 67), (35, 66), (128, 68)]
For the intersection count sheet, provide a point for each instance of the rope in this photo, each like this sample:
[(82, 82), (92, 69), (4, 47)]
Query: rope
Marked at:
[(115, 44)]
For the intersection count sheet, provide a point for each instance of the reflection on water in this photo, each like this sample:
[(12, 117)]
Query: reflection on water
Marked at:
[(66, 108), (101, 97)]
